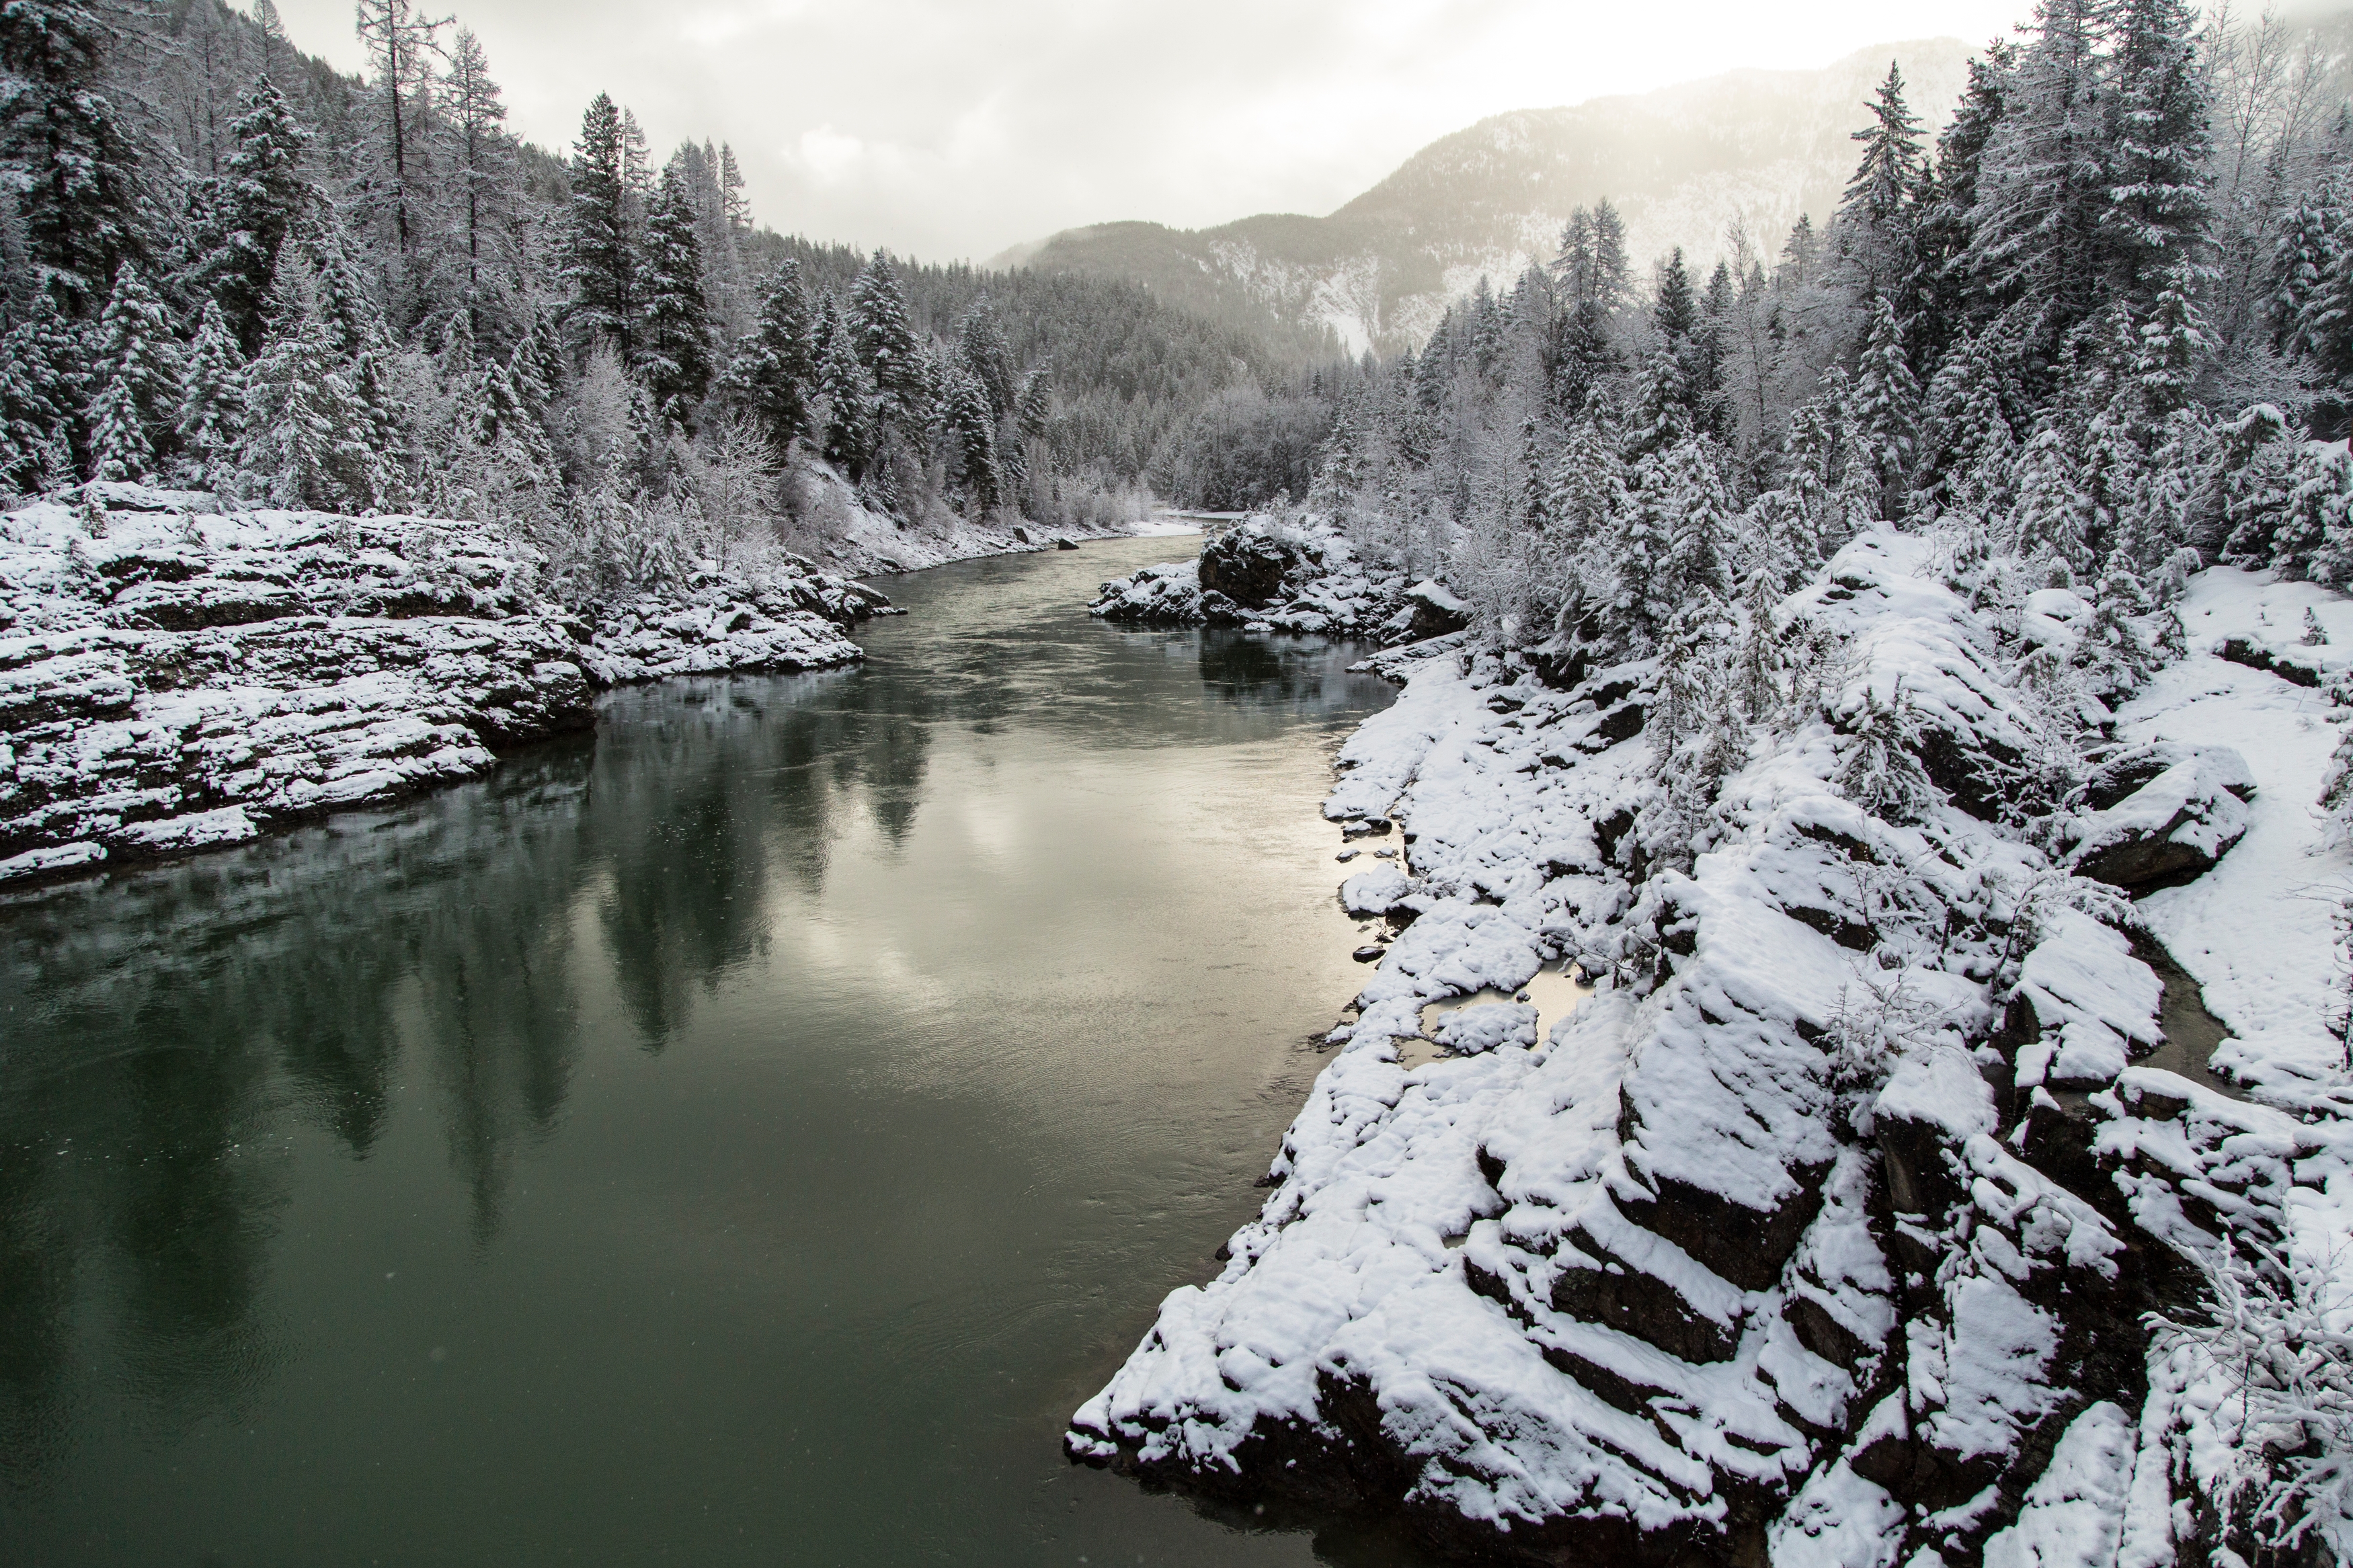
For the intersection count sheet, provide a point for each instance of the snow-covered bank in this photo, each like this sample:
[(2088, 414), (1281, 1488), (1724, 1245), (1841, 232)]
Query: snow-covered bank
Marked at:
[(174, 677), (859, 541), (1828, 1231)]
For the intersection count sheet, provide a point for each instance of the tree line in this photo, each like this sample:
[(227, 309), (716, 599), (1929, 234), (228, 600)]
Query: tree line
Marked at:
[(227, 265)]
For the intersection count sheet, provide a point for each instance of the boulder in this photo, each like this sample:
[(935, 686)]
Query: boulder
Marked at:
[(1435, 610), (2161, 815), (1247, 566)]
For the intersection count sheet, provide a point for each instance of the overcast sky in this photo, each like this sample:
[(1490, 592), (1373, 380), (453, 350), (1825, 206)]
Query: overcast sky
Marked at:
[(955, 127)]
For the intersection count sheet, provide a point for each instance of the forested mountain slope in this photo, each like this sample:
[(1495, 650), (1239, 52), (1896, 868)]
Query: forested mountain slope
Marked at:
[(227, 265), (1679, 166)]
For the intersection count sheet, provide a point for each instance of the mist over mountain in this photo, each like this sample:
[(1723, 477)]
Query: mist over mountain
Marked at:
[(1682, 164)]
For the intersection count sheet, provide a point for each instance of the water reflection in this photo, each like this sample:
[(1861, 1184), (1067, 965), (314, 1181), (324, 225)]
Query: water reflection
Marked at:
[(171, 1042)]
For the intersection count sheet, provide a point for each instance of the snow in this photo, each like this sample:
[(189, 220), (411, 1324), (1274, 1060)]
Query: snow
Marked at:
[(2255, 932), (1608, 1275), (174, 677)]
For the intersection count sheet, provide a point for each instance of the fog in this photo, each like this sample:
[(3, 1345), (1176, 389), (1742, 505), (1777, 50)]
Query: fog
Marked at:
[(959, 129)]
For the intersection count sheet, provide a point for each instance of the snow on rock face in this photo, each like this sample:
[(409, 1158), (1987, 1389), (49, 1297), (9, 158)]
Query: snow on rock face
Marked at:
[(2162, 814), (173, 677), (1824, 1232), (1305, 578)]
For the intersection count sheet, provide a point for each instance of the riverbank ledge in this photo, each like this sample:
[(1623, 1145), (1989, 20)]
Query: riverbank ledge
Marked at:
[(1838, 1227), (177, 676)]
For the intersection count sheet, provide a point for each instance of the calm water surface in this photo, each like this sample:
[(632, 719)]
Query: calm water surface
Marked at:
[(741, 1138)]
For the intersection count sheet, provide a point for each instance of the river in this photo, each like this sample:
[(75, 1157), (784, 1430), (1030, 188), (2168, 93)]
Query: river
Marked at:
[(740, 1137)]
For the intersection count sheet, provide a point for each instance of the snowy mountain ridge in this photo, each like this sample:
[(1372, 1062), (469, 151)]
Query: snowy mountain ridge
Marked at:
[(1682, 163)]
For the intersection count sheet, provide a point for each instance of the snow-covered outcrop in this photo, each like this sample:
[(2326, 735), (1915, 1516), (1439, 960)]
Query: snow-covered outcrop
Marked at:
[(174, 677), (1828, 1229), (1271, 575)]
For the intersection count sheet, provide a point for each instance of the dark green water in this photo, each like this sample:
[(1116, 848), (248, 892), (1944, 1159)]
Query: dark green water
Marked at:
[(742, 1137)]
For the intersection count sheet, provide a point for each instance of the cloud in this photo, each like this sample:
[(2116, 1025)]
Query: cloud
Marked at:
[(954, 129)]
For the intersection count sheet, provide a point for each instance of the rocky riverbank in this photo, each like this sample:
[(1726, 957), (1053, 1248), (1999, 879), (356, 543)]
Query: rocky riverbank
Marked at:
[(176, 676), (1838, 1227)]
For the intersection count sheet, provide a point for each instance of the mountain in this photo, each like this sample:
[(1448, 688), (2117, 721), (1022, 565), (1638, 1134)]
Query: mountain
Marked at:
[(1682, 163)]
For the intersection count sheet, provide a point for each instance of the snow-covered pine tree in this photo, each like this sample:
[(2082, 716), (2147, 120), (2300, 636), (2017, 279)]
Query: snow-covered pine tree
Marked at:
[(139, 382), (971, 437), (885, 344), (1975, 451), (2157, 211), (2258, 466), (212, 398), (2117, 658), (676, 335), (772, 377), (70, 151), (848, 440), (1949, 308), (310, 440), (394, 163), (1700, 518), (1874, 234), (40, 388), (981, 343), (263, 194), (482, 212), (2037, 245), (1879, 768), (1884, 405), (2052, 519), (600, 264)]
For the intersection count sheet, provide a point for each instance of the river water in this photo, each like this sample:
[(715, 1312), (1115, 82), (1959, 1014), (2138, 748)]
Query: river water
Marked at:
[(740, 1138)]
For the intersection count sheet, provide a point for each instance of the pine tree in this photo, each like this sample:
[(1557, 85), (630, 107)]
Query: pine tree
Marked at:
[(971, 441), (310, 440), (401, 45), (774, 375), (677, 325), (2257, 464), (1613, 268), (1699, 524), (481, 159), (2037, 242), (1886, 410), (850, 398), (885, 344), (1874, 233), (138, 374), (2157, 210), (40, 386), (263, 194), (1976, 451), (601, 256), (1880, 770), (1949, 308), (981, 343), (212, 396), (75, 182), (2052, 517)]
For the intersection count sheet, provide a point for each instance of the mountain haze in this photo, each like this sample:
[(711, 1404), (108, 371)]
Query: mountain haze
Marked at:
[(1682, 163)]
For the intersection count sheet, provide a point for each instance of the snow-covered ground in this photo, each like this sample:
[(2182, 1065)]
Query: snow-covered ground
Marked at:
[(1827, 1231), (174, 677)]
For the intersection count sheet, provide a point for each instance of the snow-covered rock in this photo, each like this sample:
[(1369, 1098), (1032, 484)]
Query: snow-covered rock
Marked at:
[(174, 677), (1826, 1231), (2162, 814), (1268, 575)]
